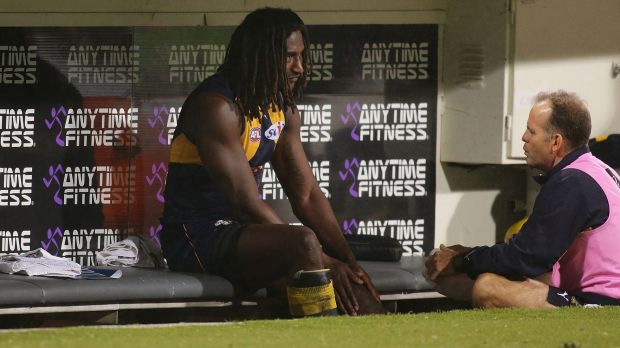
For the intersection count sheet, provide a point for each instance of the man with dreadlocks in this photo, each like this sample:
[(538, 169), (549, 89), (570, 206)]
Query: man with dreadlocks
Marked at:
[(214, 220)]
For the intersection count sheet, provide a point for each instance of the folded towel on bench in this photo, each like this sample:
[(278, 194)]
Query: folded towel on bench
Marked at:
[(135, 251)]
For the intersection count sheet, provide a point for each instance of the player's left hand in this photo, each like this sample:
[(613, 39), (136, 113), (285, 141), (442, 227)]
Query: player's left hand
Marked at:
[(342, 276), (361, 274)]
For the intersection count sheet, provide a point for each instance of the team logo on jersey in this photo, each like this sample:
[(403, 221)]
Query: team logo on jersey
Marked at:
[(255, 134), (273, 133)]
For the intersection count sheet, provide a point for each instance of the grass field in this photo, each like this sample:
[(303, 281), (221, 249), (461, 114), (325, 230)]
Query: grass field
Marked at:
[(570, 327)]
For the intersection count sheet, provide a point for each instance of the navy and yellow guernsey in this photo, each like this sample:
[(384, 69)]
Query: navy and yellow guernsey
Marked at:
[(190, 193)]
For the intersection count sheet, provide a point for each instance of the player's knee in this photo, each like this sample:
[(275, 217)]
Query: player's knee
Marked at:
[(305, 242), (483, 294)]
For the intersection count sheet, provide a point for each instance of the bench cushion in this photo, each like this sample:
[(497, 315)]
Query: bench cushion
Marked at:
[(398, 277), (145, 285)]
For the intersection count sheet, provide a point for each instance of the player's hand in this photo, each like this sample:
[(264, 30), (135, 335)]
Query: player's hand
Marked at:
[(342, 275), (361, 273)]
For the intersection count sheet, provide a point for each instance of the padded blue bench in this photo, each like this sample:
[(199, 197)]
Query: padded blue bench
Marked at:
[(156, 289)]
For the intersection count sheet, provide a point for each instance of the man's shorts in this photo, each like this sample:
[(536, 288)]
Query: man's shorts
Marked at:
[(202, 246), (561, 298)]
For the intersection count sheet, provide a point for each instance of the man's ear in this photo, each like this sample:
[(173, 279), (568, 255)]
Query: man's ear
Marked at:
[(557, 143)]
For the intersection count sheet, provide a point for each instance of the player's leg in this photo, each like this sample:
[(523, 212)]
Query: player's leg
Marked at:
[(492, 291), (254, 254), (266, 254), (365, 300)]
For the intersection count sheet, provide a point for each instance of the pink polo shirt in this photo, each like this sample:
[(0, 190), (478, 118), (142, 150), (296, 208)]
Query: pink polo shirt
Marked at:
[(592, 262)]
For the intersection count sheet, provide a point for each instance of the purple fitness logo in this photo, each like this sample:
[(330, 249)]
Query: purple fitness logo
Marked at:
[(54, 173), (54, 241), (159, 120), (350, 226), (154, 234), (351, 113), (351, 168), (57, 120), (158, 178)]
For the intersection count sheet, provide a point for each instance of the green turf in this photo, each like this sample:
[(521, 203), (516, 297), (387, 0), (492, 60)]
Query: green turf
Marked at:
[(571, 327)]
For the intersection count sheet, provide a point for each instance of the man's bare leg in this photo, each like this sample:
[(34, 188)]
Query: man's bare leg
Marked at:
[(268, 255), (494, 291), (457, 287), (367, 303)]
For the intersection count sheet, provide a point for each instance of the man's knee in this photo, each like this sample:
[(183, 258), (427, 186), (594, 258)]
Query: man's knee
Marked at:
[(304, 243), (483, 291)]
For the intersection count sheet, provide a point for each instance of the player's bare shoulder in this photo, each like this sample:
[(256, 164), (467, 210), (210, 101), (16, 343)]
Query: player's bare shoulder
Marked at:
[(211, 113), (213, 105)]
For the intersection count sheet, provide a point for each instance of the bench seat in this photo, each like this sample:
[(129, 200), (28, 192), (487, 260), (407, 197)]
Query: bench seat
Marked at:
[(145, 288)]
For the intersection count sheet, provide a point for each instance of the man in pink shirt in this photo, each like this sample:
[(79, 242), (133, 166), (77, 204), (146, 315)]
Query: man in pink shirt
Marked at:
[(568, 252)]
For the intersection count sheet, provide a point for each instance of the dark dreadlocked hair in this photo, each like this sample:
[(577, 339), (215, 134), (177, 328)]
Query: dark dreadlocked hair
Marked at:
[(255, 62)]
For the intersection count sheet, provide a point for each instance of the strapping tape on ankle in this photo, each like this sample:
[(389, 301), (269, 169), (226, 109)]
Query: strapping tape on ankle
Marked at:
[(311, 300)]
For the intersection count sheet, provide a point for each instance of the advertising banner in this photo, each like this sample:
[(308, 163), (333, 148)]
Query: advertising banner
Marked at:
[(87, 115)]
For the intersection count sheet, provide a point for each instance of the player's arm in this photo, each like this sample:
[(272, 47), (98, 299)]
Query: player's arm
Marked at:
[(214, 125), (307, 200)]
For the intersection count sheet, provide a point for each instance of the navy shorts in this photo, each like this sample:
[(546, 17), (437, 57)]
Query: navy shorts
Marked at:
[(202, 246), (561, 298)]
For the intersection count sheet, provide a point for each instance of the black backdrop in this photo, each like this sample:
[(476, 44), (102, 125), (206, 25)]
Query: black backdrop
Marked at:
[(86, 116)]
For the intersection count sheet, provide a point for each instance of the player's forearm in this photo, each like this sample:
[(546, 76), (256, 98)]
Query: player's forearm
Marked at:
[(316, 213)]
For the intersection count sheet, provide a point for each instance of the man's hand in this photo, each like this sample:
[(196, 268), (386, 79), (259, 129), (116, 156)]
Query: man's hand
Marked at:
[(361, 273), (441, 262), (342, 275), (459, 248)]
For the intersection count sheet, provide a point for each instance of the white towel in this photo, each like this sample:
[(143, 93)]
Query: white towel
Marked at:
[(123, 253), (135, 251), (39, 262)]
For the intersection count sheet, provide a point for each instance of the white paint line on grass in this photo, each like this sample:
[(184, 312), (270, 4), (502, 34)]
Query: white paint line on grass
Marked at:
[(128, 326)]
